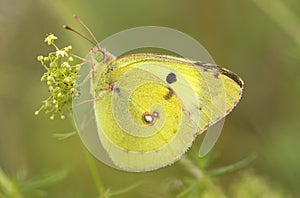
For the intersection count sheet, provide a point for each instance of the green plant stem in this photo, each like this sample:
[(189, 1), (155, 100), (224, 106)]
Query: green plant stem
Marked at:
[(282, 15), (188, 190), (191, 167), (95, 174), (200, 179)]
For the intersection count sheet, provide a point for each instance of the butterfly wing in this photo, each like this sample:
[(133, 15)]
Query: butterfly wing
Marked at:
[(182, 97)]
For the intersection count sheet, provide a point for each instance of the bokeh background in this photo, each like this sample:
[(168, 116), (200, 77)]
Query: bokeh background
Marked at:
[(259, 40)]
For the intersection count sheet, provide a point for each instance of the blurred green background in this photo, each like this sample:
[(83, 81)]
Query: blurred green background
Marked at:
[(261, 45)]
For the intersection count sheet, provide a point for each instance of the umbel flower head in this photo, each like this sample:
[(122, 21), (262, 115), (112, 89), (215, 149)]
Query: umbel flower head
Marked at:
[(60, 76)]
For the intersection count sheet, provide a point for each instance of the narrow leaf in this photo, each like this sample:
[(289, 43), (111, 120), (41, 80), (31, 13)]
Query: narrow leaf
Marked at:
[(231, 168), (125, 190), (63, 136)]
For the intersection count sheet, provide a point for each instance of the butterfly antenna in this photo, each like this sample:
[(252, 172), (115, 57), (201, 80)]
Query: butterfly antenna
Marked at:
[(86, 27), (107, 56), (78, 33)]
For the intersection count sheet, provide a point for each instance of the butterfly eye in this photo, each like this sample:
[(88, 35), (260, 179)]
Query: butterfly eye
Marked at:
[(99, 56)]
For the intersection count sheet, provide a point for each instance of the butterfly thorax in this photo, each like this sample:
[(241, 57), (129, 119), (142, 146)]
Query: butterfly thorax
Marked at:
[(101, 60)]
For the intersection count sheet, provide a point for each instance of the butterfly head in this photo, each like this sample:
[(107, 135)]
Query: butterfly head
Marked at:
[(101, 55)]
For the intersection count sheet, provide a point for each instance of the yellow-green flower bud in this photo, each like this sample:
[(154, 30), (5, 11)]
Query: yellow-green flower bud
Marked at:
[(40, 58), (46, 59), (70, 59), (43, 78), (47, 105), (67, 80), (53, 64)]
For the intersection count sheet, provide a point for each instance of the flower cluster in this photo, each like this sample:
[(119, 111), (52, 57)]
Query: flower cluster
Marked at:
[(60, 76)]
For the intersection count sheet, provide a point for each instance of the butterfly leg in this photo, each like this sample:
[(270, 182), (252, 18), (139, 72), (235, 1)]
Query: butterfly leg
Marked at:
[(101, 92)]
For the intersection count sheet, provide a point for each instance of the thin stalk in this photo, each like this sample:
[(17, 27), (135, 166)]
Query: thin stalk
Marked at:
[(200, 179), (95, 174), (191, 167)]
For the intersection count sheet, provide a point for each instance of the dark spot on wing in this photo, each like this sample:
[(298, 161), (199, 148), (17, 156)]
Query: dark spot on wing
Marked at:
[(171, 78)]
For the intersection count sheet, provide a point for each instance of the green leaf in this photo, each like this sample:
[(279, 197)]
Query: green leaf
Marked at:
[(63, 136), (125, 189), (46, 181), (188, 190), (7, 186), (233, 167)]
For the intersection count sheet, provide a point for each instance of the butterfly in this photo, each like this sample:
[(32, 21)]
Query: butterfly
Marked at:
[(149, 108)]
